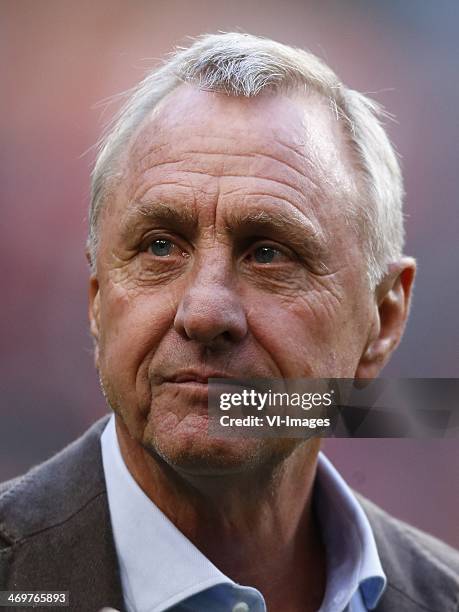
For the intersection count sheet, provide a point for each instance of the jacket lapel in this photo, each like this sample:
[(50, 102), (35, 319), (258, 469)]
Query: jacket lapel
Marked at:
[(55, 524), (415, 563)]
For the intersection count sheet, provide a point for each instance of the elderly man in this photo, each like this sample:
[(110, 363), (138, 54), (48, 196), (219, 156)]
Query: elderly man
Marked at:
[(246, 222)]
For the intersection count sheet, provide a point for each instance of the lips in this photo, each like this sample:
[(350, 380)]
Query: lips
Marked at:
[(200, 379), (195, 377)]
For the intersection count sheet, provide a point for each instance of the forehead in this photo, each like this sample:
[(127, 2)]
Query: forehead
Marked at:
[(195, 112), (301, 123), (217, 145)]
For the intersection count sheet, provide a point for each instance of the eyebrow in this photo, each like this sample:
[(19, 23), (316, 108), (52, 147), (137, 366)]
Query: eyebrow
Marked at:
[(160, 213), (293, 227)]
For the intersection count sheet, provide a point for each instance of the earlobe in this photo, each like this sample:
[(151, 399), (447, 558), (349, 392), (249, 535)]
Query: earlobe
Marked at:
[(94, 315), (392, 303)]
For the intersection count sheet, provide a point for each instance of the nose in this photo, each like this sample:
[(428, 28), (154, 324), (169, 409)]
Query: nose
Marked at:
[(211, 309)]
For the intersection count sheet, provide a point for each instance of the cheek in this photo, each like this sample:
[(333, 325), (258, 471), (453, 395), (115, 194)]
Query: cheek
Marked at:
[(132, 326), (307, 335)]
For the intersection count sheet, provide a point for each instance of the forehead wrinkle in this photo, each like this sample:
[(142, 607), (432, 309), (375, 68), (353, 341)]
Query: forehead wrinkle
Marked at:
[(256, 155), (195, 158), (296, 203), (250, 152), (150, 151), (298, 194), (139, 193), (294, 154)]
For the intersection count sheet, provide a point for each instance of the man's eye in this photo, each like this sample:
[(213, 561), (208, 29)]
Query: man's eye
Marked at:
[(161, 247), (267, 255)]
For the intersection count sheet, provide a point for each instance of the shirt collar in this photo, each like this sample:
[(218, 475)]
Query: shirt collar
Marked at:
[(161, 552), (352, 557)]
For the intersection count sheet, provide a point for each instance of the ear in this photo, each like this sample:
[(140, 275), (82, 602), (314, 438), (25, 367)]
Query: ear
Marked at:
[(391, 309), (94, 315)]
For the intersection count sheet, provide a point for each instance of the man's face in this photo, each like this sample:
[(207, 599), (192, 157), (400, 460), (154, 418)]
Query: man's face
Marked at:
[(225, 251)]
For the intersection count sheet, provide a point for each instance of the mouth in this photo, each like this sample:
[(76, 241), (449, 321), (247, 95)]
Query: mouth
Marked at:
[(202, 385), (199, 381), (197, 378), (195, 385)]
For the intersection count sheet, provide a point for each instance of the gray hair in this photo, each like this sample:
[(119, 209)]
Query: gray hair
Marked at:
[(245, 65)]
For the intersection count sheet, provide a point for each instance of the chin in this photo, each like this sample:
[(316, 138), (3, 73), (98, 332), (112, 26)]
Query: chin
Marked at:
[(195, 453), (190, 450)]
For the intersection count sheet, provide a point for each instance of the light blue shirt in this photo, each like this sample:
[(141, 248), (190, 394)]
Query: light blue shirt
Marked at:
[(162, 570)]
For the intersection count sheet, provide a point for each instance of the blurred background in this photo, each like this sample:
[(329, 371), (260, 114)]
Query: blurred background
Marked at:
[(59, 60)]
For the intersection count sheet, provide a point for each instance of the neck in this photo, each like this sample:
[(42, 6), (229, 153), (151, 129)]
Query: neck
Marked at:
[(257, 527)]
